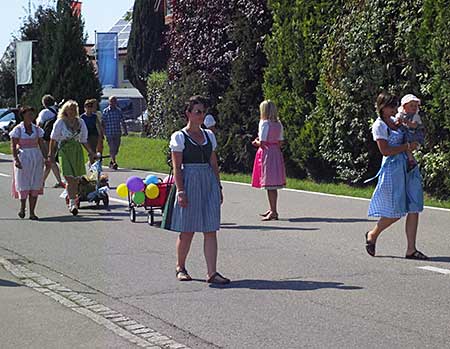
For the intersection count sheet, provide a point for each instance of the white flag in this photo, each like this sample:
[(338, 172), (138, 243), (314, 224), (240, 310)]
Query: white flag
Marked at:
[(24, 55)]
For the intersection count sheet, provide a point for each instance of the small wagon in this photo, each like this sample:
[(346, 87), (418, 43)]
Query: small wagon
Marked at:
[(151, 205)]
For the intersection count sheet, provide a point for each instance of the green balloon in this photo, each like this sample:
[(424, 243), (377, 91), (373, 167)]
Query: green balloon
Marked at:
[(139, 198)]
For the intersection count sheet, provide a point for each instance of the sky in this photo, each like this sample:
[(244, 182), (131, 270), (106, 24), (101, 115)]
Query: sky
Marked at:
[(99, 15)]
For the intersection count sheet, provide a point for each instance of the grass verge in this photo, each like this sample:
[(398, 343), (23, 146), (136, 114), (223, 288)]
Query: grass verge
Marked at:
[(151, 155)]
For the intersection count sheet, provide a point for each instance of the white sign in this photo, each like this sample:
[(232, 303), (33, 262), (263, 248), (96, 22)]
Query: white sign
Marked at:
[(24, 57)]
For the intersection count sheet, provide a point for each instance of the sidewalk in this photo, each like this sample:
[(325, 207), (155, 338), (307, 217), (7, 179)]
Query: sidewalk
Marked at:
[(32, 320)]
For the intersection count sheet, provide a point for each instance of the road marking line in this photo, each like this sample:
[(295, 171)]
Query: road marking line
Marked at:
[(436, 270), (118, 200), (4, 175), (129, 329)]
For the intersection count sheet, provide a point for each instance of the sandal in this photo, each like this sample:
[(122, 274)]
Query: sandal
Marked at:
[(218, 279), (182, 275), (34, 217), (417, 255), (370, 246), (21, 214), (265, 213), (270, 217)]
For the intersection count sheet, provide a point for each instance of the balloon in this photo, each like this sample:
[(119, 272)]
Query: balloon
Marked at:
[(151, 179), (152, 191), (122, 190), (139, 198), (135, 184), (169, 179)]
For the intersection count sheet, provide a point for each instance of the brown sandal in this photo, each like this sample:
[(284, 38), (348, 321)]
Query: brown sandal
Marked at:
[(218, 279), (270, 217), (182, 275)]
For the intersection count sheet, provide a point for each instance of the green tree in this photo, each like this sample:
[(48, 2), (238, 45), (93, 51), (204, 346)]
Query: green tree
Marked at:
[(146, 52), (7, 83), (61, 67), (293, 50), (238, 109)]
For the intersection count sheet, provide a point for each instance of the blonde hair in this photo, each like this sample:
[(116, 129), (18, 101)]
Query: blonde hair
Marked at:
[(71, 104), (268, 110)]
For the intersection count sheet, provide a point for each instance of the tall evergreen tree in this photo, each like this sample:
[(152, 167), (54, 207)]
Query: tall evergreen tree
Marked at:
[(238, 115), (146, 52), (7, 83), (62, 67)]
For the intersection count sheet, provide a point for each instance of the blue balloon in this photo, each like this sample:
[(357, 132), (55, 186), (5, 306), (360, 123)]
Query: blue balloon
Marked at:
[(151, 179)]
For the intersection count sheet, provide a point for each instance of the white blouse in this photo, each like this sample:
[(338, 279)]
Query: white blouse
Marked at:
[(380, 130), (177, 140), (61, 133), (20, 132), (263, 130)]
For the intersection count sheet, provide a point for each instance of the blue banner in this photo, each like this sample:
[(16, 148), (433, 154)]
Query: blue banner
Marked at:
[(108, 59)]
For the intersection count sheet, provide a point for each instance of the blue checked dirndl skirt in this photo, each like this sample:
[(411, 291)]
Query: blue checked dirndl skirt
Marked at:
[(398, 191), (202, 213)]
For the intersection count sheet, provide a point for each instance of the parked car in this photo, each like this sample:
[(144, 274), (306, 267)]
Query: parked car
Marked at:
[(7, 122)]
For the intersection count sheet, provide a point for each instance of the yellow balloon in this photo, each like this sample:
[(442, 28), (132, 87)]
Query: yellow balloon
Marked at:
[(152, 191), (122, 190)]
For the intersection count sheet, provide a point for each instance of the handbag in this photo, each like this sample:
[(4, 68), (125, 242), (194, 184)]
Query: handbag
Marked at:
[(168, 208)]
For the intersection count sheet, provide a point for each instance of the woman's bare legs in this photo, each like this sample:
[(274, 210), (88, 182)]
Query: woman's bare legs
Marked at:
[(32, 201), (210, 251), (382, 224), (183, 245), (23, 204), (412, 221), (272, 194)]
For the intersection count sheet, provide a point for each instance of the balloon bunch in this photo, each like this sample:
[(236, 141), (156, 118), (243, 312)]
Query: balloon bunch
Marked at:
[(139, 189)]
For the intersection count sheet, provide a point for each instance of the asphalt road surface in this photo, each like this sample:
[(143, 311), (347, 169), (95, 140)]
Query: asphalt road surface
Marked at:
[(304, 281)]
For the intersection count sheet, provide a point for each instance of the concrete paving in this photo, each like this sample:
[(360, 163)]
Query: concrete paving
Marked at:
[(304, 281)]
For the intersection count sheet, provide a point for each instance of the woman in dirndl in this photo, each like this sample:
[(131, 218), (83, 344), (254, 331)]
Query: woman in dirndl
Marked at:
[(398, 193), (199, 193), (67, 138), (28, 171), (268, 168)]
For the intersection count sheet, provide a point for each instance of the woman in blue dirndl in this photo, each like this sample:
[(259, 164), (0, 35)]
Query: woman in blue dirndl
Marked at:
[(199, 193), (398, 193)]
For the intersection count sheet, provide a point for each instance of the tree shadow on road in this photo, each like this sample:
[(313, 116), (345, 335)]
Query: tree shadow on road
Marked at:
[(293, 285), (328, 220), (7, 283), (261, 227)]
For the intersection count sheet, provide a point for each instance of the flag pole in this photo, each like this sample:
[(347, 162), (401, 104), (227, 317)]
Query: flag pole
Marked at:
[(15, 74)]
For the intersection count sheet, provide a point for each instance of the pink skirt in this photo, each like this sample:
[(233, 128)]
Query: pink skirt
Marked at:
[(268, 168)]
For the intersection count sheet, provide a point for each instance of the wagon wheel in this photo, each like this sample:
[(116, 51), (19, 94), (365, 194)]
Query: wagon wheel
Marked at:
[(132, 214), (150, 218), (106, 201)]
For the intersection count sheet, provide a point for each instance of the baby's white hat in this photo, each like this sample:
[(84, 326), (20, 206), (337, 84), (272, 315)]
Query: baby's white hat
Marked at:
[(409, 98)]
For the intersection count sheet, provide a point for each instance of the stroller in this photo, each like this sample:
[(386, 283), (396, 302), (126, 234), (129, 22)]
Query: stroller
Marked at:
[(94, 186), (150, 205)]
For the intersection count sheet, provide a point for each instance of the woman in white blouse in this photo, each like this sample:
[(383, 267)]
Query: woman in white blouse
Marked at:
[(68, 135)]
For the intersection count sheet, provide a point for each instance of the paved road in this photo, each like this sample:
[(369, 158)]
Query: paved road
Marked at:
[(304, 281)]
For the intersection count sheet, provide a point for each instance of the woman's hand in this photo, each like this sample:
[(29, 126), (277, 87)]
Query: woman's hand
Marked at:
[(17, 163), (413, 146), (182, 199)]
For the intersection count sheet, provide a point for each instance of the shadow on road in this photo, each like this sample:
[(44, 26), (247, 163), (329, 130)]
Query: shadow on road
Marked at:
[(293, 285), (437, 259), (328, 220), (261, 227), (58, 219), (7, 283)]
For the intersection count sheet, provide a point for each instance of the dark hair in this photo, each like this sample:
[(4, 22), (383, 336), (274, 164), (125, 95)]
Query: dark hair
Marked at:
[(384, 100), (195, 100), (48, 100), (25, 110)]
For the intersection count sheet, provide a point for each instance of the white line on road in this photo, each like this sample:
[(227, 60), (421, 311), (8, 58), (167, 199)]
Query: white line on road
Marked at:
[(118, 200), (4, 175), (436, 270)]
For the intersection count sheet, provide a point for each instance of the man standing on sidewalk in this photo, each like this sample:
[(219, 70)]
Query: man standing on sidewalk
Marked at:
[(112, 121), (45, 120)]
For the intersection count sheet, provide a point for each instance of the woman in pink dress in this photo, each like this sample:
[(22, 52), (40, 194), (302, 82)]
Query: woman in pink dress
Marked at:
[(28, 170), (268, 169)]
